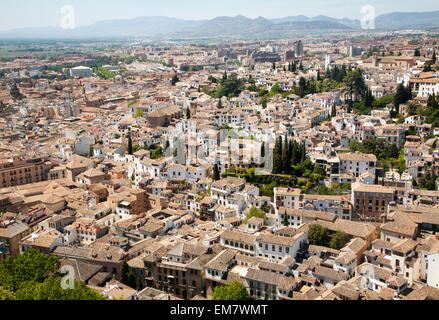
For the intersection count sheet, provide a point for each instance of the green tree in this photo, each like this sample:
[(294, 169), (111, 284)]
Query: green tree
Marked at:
[(126, 276), (402, 95), (434, 57), (264, 102), (29, 266), (201, 214), (294, 67), (428, 181), (51, 290), (275, 89), (318, 235), (286, 160), (333, 112), (130, 144), (255, 212), (157, 153), (234, 291), (6, 295), (303, 88), (35, 276), (174, 80), (188, 113), (417, 53), (339, 240), (138, 113), (354, 84), (104, 73), (230, 87), (216, 173), (277, 156), (286, 223)]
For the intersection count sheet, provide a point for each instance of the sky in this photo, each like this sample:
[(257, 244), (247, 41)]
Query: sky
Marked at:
[(42, 13)]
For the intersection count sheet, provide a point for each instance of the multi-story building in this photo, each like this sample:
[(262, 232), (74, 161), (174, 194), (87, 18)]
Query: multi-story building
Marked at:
[(287, 197), (265, 285), (19, 170), (357, 163), (12, 231), (371, 202), (339, 205), (180, 271), (276, 247)]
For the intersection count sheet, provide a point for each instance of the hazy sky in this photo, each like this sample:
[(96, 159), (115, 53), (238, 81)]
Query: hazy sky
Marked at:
[(41, 13)]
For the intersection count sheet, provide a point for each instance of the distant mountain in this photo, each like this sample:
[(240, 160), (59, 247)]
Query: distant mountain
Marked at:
[(301, 18), (137, 27), (143, 26), (298, 18), (227, 27), (259, 28), (408, 20)]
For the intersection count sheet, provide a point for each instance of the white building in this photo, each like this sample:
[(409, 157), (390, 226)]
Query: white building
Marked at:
[(81, 71), (276, 247), (357, 163)]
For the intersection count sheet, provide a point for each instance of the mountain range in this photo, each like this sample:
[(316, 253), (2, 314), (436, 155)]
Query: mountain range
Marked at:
[(226, 27)]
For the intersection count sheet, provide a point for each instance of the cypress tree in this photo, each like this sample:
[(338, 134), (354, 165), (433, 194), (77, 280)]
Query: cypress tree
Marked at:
[(277, 156), (333, 111), (285, 156), (216, 173), (303, 153), (125, 274), (288, 160), (130, 144), (285, 222), (294, 67)]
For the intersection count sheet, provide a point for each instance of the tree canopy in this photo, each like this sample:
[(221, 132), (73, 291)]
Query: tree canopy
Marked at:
[(234, 291), (216, 173), (35, 276), (126, 276), (255, 212), (339, 240), (318, 235), (230, 86)]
